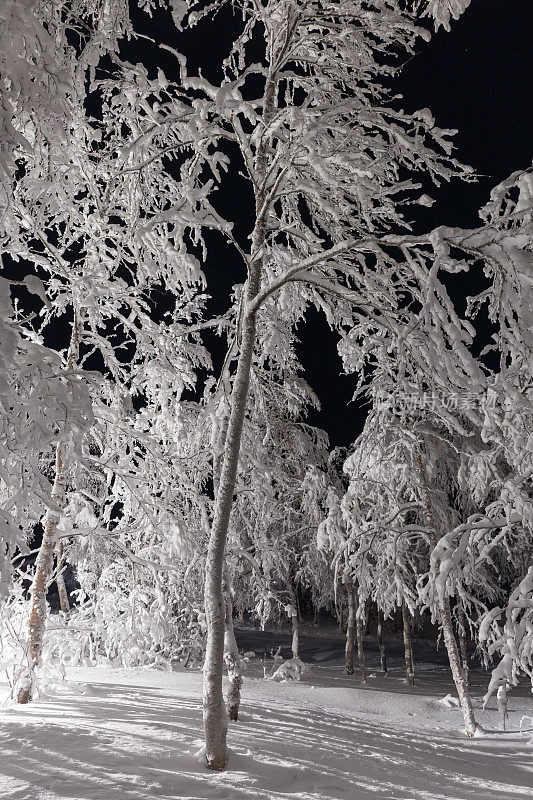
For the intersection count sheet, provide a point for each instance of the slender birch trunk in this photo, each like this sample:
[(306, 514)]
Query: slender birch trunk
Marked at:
[(461, 635), (408, 646), (295, 620), (359, 627), (340, 618), (458, 674), (64, 603), (350, 628), (501, 700), (232, 659), (44, 564), (381, 643), (214, 710)]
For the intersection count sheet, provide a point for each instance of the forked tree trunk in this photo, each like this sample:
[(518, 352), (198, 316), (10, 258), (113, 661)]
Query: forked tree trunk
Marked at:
[(461, 635), (232, 660), (360, 630), (350, 627), (381, 643), (214, 710), (60, 580), (458, 674), (408, 646), (44, 564)]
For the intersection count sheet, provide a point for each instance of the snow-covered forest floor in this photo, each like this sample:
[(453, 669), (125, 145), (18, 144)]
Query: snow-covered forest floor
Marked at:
[(134, 734)]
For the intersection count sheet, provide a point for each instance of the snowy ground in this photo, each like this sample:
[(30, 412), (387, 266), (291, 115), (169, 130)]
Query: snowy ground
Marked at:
[(116, 734)]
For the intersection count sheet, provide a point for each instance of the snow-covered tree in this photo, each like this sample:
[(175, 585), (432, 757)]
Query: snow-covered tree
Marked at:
[(322, 148), (87, 228)]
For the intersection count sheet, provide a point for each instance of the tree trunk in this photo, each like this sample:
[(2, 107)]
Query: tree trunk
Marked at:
[(340, 618), (215, 719), (43, 571), (214, 710), (45, 559), (457, 672), (408, 646), (501, 699), (359, 626), (381, 644), (295, 620), (446, 618), (461, 631), (60, 580), (350, 628), (232, 660)]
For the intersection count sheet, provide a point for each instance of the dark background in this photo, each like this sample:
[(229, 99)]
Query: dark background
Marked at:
[(476, 79)]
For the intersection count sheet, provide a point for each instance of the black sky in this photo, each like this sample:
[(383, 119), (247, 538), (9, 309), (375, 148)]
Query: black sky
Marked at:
[(478, 79)]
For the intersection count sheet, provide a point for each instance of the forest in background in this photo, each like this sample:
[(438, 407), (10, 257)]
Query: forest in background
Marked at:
[(155, 437)]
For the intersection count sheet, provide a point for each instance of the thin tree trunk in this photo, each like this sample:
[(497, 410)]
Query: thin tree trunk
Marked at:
[(501, 699), (232, 659), (461, 631), (43, 571), (381, 643), (408, 646), (350, 628), (60, 580), (446, 618), (457, 672), (340, 618), (45, 559), (295, 620), (214, 710), (359, 627)]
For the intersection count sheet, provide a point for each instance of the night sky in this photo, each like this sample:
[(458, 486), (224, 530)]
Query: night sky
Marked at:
[(476, 79)]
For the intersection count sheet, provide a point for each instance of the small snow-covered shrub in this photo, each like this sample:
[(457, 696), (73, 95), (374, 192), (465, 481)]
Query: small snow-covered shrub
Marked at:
[(13, 635), (294, 669), (131, 622), (14, 645)]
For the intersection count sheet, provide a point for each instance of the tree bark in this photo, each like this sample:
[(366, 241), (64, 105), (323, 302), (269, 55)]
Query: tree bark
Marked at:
[(214, 710), (501, 699), (408, 646), (295, 620), (232, 660), (44, 563), (381, 643), (458, 674), (359, 626), (64, 603), (350, 628), (43, 571), (461, 631)]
